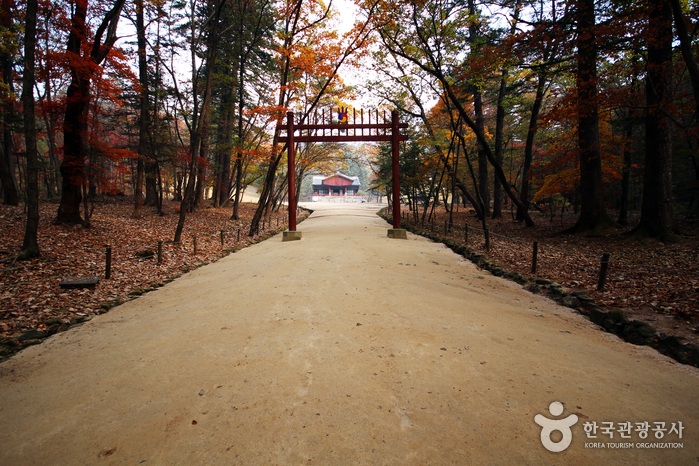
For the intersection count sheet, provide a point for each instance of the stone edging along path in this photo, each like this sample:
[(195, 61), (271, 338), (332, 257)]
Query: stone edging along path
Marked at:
[(613, 321), (12, 345)]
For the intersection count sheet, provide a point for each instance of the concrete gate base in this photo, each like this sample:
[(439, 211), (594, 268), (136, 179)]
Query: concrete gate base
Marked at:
[(398, 233), (292, 235)]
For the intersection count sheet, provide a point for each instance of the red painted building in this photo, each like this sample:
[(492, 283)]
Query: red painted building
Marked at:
[(335, 185)]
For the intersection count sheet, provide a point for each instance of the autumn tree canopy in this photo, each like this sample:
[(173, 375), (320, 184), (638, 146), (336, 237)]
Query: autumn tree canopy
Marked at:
[(514, 105)]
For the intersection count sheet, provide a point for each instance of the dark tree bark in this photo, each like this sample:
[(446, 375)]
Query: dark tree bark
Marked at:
[(242, 62), (51, 123), (657, 219), (7, 176), (529, 145), (151, 173), (30, 246), (201, 172), (75, 126), (483, 185), (143, 111), (499, 130), (239, 146), (626, 176), (593, 214), (223, 153)]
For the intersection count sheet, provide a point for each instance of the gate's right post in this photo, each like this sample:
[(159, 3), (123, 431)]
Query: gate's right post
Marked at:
[(396, 231)]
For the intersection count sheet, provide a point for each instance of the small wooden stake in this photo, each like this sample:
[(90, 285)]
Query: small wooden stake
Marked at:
[(108, 264), (534, 256), (465, 233), (603, 271), (160, 252), (221, 237), (195, 245), (238, 234)]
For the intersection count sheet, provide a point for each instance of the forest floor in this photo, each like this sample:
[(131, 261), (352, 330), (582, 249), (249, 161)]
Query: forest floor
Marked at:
[(30, 296), (650, 281)]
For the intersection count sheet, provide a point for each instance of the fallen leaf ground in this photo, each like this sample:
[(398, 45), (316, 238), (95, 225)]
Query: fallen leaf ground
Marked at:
[(650, 281), (30, 294)]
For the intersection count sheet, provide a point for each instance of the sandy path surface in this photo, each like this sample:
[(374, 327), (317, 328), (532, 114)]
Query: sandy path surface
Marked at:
[(343, 348)]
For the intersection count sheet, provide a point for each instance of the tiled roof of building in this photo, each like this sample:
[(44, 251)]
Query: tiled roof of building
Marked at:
[(318, 180)]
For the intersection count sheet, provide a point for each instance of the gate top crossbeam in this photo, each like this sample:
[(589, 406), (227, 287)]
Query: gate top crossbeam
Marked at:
[(357, 131)]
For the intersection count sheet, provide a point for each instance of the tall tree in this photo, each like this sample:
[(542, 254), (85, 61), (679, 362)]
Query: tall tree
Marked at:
[(30, 247), (143, 118), (7, 49), (593, 214), (657, 218), (84, 64), (476, 50)]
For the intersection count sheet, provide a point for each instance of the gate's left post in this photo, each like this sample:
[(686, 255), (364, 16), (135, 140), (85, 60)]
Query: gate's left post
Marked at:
[(291, 234)]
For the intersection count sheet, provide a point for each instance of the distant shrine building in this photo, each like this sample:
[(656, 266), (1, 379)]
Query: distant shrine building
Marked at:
[(336, 186)]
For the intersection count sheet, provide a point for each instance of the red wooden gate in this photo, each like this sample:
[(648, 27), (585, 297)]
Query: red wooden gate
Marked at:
[(322, 131)]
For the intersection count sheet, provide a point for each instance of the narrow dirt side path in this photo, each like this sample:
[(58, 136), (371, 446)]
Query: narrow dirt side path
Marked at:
[(343, 348)]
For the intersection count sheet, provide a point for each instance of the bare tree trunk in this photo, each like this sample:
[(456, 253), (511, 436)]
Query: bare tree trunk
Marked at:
[(30, 247), (151, 174), (483, 184), (626, 175), (529, 146), (143, 116), (77, 104), (499, 130), (593, 214), (222, 194), (201, 172), (657, 219), (7, 176)]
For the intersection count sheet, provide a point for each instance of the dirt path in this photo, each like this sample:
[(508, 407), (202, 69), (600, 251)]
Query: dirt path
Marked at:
[(343, 348)]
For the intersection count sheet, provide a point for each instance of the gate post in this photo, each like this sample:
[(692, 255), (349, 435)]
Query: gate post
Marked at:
[(291, 234), (396, 231)]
